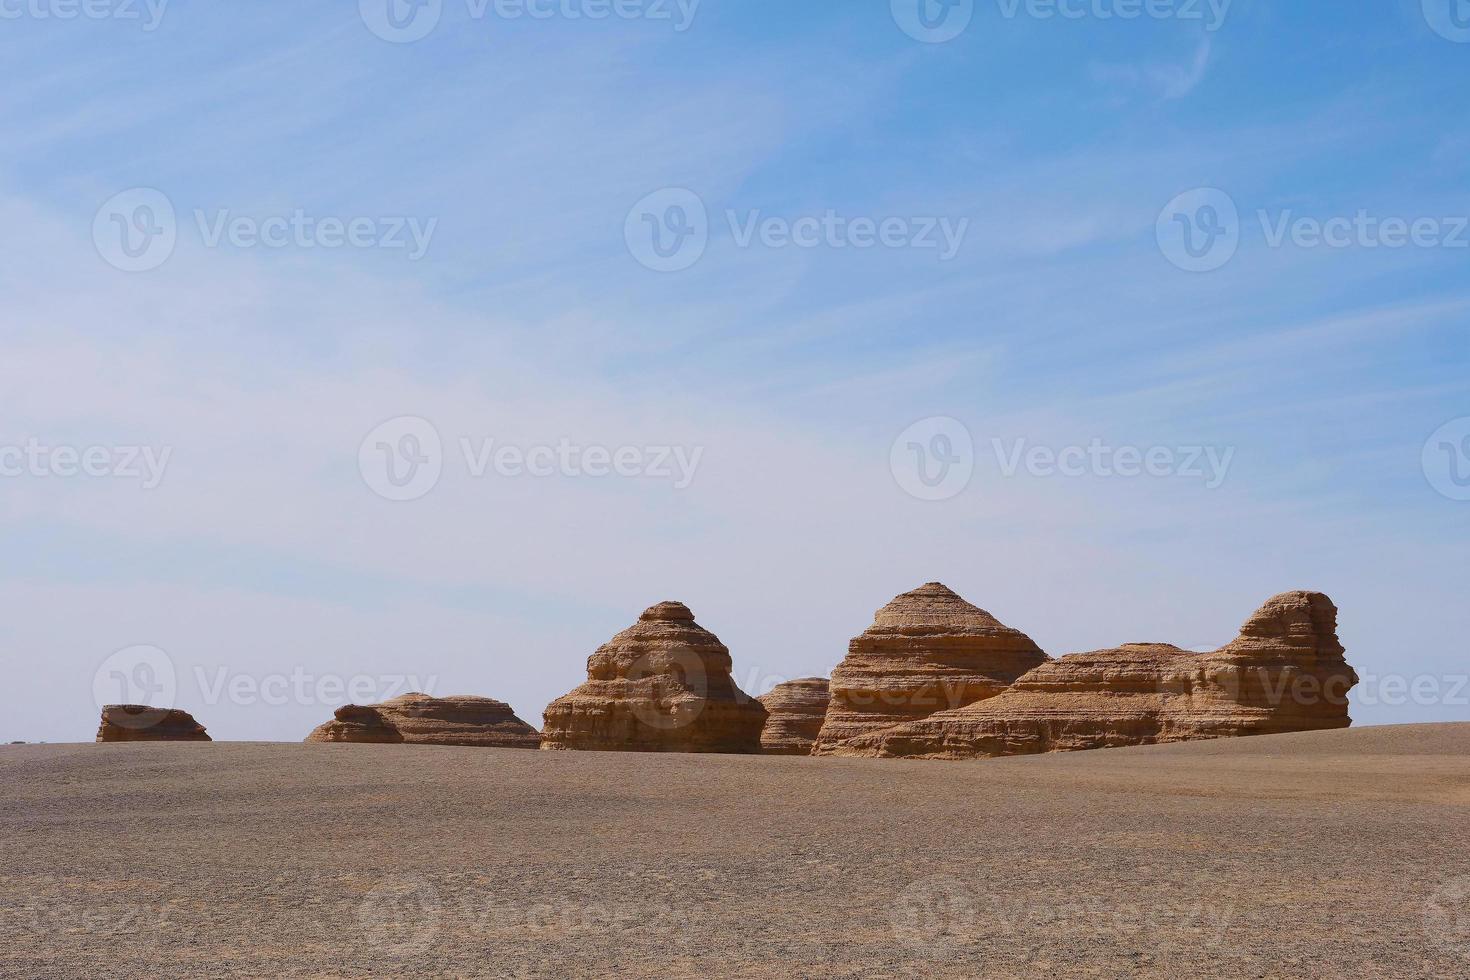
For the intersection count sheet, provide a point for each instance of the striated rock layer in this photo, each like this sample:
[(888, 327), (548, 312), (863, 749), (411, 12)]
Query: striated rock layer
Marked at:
[(928, 650), (794, 714), (418, 719), (1286, 672), (140, 723), (662, 685)]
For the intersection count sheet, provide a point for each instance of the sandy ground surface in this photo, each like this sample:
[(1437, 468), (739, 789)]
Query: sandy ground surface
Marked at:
[(1342, 854)]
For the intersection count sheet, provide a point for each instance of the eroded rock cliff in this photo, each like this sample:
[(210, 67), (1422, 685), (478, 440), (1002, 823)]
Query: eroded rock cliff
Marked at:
[(1285, 672), (662, 685), (927, 651), (418, 719), (794, 714), (140, 723)]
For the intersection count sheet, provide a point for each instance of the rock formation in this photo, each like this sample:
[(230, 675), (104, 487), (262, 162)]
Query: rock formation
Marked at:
[(418, 719), (140, 723), (1284, 673), (794, 714), (928, 650), (662, 685)]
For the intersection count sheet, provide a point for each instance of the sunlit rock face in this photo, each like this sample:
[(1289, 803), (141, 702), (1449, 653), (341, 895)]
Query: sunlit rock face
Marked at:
[(140, 723), (927, 651), (418, 719), (794, 714), (1285, 672), (662, 685)]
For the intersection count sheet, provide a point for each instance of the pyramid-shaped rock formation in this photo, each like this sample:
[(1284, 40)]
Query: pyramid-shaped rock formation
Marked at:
[(927, 651), (1285, 673), (662, 685), (794, 714), (418, 719), (140, 723)]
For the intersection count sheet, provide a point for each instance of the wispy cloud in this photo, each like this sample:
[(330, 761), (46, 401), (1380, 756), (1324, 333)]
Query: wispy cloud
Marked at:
[(1167, 80)]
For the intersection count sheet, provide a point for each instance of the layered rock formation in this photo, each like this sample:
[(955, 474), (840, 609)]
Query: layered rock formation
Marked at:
[(662, 685), (1286, 672), (418, 719), (928, 650), (140, 723), (794, 714)]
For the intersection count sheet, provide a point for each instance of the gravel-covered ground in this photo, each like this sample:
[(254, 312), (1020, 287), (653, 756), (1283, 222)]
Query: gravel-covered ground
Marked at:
[(1342, 854)]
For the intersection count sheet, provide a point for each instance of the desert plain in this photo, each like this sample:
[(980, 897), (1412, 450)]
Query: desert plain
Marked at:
[(1320, 854)]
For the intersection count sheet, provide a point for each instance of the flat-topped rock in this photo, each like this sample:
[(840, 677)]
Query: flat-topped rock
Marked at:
[(141, 723), (794, 714), (1285, 672), (927, 651), (418, 719), (661, 685)]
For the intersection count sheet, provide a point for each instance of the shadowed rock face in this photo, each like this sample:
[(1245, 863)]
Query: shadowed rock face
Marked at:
[(794, 713), (662, 685), (927, 651), (418, 719), (140, 723), (1284, 673)]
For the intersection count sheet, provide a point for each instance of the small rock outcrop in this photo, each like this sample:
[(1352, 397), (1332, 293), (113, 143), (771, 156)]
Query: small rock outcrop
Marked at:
[(662, 685), (140, 723), (418, 719), (794, 714), (1286, 672), (927, 651)]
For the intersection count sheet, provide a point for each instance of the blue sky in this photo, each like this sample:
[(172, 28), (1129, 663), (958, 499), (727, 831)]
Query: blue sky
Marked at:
[(1061, 319)]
